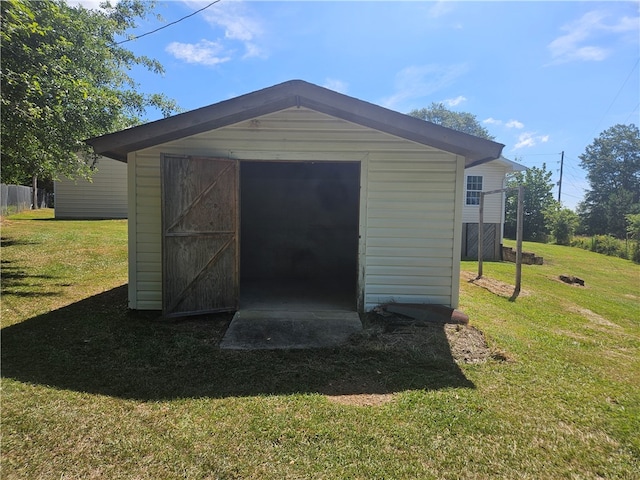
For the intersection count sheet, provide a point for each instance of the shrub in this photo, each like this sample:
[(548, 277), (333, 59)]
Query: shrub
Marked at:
[(562, 222), (608, 245), (604, 244), (633, 232)]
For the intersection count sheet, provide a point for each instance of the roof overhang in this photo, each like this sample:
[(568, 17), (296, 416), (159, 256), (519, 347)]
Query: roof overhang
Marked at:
[(295, 93), (509, 165)]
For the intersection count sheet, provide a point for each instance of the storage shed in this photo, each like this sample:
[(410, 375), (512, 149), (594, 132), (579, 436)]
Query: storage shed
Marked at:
[(294, 188), (105, 196)]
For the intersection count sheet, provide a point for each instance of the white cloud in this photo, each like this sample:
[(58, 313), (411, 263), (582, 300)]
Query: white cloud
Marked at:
[(514, 124), (530, 139), (525, 140), (438, 9), (88, 4), (336, 85), (492, 121), (580, 41), (418, 81), (452, 102), (239, 24), (205, 52)]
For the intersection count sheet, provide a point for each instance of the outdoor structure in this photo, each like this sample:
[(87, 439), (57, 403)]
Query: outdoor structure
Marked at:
[(484, 178), (293, 189), (17, 198), (105, 196)]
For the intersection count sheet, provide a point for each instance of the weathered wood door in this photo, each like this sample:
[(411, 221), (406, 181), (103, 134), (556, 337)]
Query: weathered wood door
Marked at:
[(199, 235)]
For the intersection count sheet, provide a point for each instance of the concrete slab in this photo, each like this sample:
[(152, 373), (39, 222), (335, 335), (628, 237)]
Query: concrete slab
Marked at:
[(265, 330)]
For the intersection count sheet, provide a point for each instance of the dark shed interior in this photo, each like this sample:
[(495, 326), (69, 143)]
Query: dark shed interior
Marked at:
[(299, 233)]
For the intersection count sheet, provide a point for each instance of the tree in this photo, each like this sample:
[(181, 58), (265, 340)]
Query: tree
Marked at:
[(612, 163), (538, 198), (460, 121), (64, 79), (562, 223)]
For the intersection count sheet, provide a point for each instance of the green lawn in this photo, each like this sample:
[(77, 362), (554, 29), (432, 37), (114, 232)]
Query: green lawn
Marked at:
[(91, 390)]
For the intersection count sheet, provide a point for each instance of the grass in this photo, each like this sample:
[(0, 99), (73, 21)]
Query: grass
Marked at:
[(91, 390)]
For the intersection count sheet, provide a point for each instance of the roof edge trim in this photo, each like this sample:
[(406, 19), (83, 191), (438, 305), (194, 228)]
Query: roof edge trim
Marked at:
[(295, 93)]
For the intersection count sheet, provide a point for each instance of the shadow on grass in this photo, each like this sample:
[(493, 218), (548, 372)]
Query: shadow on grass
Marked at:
[(10, 242), (98, 346), (14, 279)]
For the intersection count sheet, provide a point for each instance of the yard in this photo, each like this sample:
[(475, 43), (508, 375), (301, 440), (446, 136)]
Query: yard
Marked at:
[(92, 390)]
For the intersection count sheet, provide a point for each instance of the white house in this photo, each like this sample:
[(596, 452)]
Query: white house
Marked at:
[(293, 187), (487, 177), (105, 196)]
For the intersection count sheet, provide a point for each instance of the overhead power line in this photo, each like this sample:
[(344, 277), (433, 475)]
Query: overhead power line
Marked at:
[(167, 25), (617, 94), (632, 112)]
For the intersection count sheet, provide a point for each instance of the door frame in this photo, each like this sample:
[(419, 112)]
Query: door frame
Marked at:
[(359, 301)]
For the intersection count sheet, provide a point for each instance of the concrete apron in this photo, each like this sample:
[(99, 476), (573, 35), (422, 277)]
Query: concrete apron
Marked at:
[(266, 329)]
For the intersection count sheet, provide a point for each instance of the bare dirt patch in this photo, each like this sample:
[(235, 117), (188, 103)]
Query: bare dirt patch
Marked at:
[(494, 286), (468, 344), (446, 343), (593, 317), (462, 343)]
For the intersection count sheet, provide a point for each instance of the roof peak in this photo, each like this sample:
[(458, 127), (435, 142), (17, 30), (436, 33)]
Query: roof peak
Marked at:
[(295, 93)]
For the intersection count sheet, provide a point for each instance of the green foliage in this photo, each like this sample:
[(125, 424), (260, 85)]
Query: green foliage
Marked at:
[(633, 232), (606, 245), (562, 223), (612, 163), (634, 254), (64, 79), (538, 199), (633, 225), (461, 121)]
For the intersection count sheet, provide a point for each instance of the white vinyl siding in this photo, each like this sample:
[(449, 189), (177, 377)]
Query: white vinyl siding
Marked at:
[(105, 196), (493, 177), (410, 206), (145, 266), (410, 229)]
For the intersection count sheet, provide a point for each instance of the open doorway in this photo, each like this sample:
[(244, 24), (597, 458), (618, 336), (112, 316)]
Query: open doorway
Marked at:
[(299, 235)]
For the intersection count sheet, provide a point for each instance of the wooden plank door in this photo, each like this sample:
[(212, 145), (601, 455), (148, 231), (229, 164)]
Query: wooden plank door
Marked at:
[(200, 251)]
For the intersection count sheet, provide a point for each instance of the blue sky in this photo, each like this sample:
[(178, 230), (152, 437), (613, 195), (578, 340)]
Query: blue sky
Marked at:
[(542, 77)]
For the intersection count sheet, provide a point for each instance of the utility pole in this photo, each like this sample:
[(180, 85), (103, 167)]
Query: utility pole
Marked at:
[(560, 182)]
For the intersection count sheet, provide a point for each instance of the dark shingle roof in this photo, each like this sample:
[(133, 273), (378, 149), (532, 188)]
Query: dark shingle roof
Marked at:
[(291, 94)]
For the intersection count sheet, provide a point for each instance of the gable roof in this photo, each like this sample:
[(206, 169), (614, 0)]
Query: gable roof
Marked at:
[(295, 93), (510, 165)]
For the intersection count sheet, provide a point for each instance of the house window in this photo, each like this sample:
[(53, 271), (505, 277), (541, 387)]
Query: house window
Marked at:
[(474, 187)]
